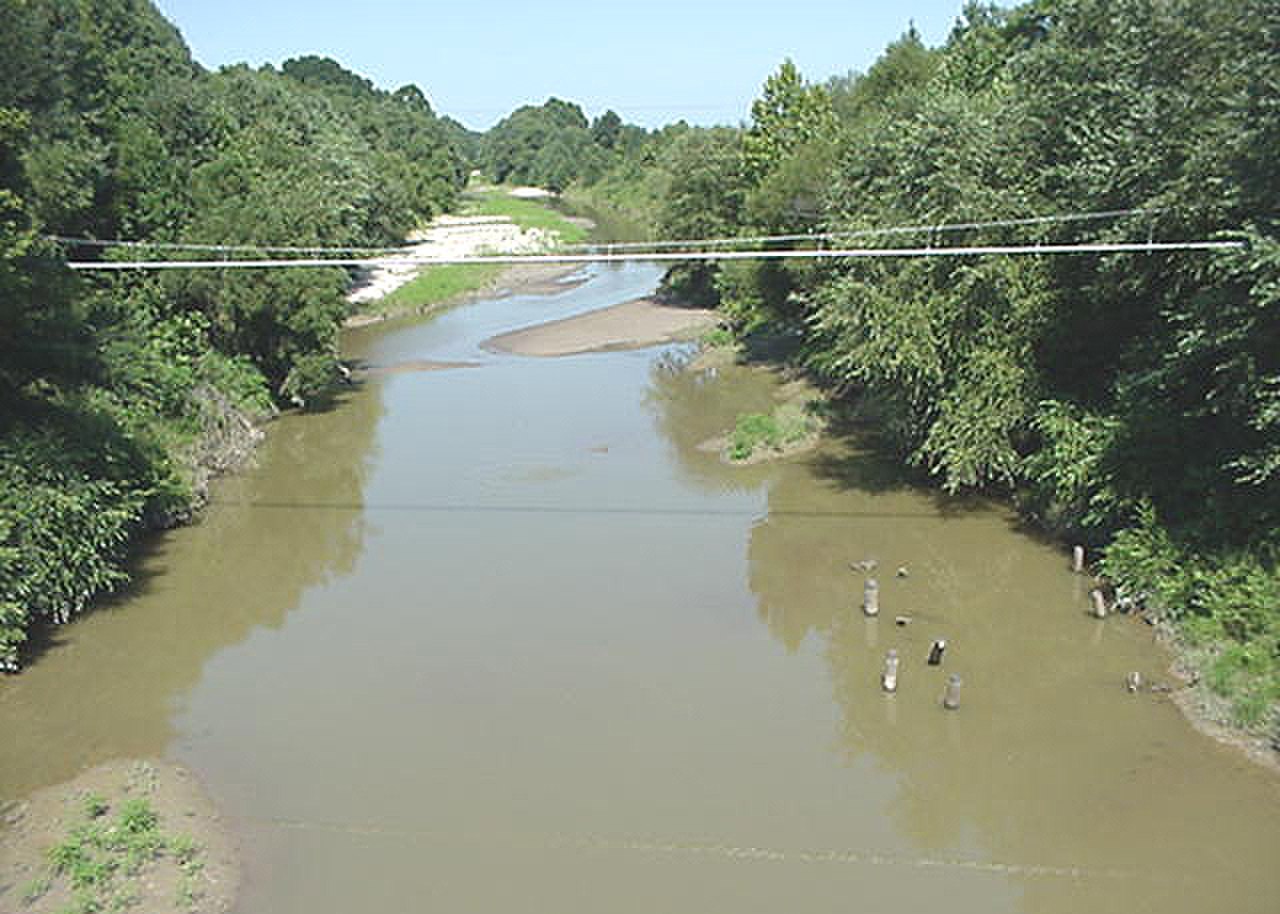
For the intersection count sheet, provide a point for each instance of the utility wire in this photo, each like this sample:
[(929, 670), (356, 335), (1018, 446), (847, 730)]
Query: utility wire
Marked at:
[(677, 256), (618, 246), (868, 233), (265, 248)]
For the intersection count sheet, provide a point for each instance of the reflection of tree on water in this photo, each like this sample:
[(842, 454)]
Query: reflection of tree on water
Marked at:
[(111, 690), (1043, 751)]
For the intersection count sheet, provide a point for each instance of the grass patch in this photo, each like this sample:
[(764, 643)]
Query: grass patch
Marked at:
[(104, 854), (718, 337), (1224, 608), (787, 425), (526, 213), (435, 285)]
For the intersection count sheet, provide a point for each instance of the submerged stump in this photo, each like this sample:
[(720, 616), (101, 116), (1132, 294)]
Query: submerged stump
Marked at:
[(871, 597), (889, 678), (951, 696)]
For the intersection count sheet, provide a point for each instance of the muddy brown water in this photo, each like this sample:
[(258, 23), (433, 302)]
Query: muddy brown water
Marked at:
[(504, 639)]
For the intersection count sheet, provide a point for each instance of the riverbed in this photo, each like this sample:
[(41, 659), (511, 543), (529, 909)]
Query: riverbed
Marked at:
[(501, 637)]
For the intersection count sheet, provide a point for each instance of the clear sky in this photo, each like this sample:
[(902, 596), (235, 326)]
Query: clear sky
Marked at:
[(653, 61)]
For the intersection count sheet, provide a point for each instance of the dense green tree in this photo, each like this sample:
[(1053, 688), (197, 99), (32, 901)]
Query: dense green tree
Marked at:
[(112, 385), (788, 114), (1131, 400)]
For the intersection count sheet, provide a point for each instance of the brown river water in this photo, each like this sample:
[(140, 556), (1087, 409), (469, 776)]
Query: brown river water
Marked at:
[(503, 639)]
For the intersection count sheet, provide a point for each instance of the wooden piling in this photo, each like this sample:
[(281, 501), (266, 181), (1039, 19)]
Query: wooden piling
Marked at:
[(936, 650), (871, 597), (1077, 559), (889, 679), (951, 697), (1099, 603)]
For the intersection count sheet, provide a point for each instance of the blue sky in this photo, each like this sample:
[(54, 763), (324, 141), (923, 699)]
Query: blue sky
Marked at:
[(653, 61)]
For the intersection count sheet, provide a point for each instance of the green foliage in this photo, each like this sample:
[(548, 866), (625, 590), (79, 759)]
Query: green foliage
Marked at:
[(548, 146), (756, 432), (787, 115), (100, 859), (1069, 487), (718, 336), (703, 200), (1090, 386), (94, 805), (1225, 604), (437, 284), (111, 388)]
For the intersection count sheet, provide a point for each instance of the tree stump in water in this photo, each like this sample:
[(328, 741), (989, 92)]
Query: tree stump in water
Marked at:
[(951, 697), (889, 679), (871, 597), (1099, 603)]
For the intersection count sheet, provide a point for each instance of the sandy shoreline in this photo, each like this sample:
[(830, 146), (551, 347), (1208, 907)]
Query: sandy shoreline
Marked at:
[(631, 325), (515, 279), (447, 237)]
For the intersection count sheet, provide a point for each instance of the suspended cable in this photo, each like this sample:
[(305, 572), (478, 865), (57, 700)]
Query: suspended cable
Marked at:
[(221, 248), (868, 233), (464, 223), (677, 256)]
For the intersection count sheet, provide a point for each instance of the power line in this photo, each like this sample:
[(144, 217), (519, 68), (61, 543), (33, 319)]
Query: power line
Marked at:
[(464, 223), (616, 246), (1149, 247), (219, 248), (869, 233)]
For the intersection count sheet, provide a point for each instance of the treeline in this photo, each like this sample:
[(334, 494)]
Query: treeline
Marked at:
[(117, 394), (1127, 401), (553, 145)]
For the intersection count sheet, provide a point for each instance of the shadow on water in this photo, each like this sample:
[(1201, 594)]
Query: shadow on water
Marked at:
[(107, 684)]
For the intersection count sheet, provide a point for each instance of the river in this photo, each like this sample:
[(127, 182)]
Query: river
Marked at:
[(502, 638)]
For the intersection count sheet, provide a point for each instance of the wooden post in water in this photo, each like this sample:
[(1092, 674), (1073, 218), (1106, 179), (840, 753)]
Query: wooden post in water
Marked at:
[(1099, 603), (935, 652), (871, 597), (889, 679), (1077, 559), (951, 697)]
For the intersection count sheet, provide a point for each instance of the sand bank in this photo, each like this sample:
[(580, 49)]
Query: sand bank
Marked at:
[(631, 325), (200, 876)]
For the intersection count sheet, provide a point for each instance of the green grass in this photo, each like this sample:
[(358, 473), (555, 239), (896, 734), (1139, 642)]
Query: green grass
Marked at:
[(435, 285), (102, 856), (717, 337), (528, 214), (1224, 608), (786, 425)]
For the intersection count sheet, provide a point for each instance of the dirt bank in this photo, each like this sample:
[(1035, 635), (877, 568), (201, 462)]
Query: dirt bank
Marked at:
[(631, 325), (134, 835)]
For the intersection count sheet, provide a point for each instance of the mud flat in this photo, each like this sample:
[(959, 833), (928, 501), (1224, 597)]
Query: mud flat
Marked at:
[(631, 325), (129, 834)]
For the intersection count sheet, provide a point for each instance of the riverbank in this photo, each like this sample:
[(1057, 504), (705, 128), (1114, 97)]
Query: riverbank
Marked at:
[(124, 835)]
